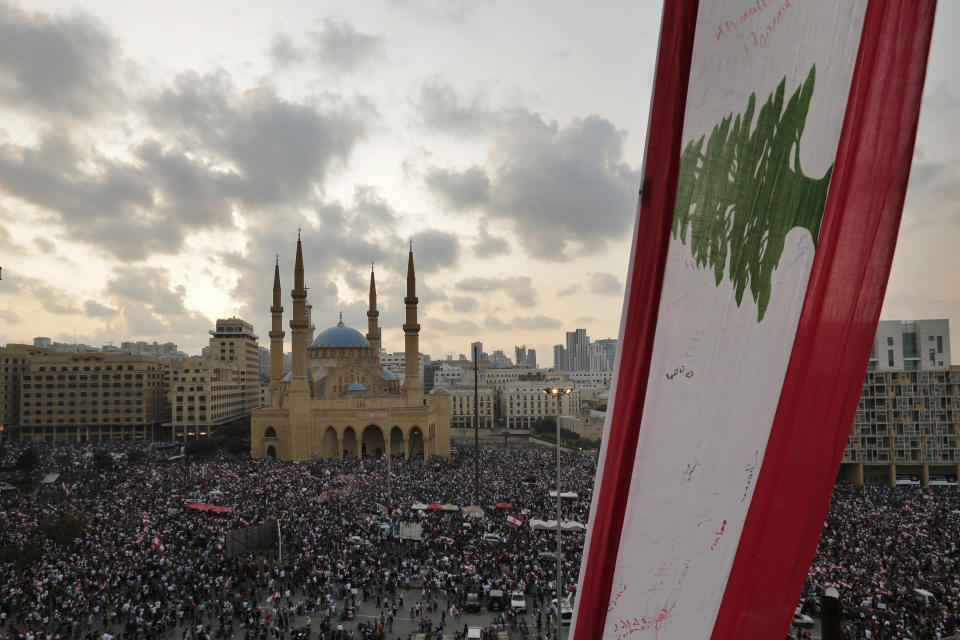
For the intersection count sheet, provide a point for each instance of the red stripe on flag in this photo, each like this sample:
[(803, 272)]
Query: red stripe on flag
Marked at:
[(837, 324), (638, 324)]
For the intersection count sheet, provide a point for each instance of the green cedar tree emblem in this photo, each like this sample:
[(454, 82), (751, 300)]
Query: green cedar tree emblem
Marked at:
[(741, 195)]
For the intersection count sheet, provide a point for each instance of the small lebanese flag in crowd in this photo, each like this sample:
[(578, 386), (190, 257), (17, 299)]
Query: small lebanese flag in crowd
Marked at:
[(271, 599), (138, 539), (421, 513), (157, 543), (146, 518), (469, 567), (369, 520), (524, 512), (514, 520), (66, 491), (243, 522)]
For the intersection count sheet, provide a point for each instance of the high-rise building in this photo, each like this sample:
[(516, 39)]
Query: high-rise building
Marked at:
[(907, 426), (911, 345), (500, 359), (42, 342), (476, 348), (234, 342), (204, 394), (264, 370), (597, 358), (531, 358), (525, 357), (559, 357), (609, 349)]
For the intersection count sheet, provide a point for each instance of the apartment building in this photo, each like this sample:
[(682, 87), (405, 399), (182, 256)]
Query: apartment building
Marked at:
[(524, 402), (462, 407), (233, 342), (907, 426), (204, 394)]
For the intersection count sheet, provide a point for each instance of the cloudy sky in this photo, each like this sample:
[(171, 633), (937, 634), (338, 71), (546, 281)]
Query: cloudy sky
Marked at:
[(154, 157)]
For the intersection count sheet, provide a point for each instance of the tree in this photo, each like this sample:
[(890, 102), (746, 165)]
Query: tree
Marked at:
[(200, 447), (101, 459), (136, 456), (545, 425), (28, 461), (62, 529), (742, 194)]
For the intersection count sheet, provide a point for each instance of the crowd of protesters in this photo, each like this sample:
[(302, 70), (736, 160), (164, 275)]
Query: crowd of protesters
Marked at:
[(146, 567), (893, 554)]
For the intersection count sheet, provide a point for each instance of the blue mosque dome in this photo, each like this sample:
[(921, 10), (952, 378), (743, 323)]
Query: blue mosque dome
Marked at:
[(341, 336), (388, 375), (356, 386), (436, 389)]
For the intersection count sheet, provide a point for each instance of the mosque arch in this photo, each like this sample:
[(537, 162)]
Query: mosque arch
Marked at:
[(349, 442), (373, 442), (416, 442), (270, 432), (330, 445), (271, 452), (396, 441)]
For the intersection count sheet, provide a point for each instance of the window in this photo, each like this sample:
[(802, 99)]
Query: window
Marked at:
[(890, 357), (889, 341), (939, 344)]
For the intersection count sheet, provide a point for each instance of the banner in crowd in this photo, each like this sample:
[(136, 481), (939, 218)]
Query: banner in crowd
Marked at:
[(778, 151)]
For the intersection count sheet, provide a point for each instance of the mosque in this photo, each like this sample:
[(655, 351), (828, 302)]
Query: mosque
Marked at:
[(338, 400)]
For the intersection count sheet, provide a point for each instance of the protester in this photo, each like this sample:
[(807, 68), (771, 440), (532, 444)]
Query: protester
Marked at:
[(146, 567)]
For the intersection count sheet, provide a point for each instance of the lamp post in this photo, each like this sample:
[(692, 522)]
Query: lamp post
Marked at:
[(557, 393)]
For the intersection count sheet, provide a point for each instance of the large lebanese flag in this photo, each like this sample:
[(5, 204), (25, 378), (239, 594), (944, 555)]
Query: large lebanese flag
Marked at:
[(779, 146)]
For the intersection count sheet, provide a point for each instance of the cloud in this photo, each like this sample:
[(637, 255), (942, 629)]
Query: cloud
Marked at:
[(565, 191), (519, 288), (488, 245), (97, 310), (342, 49), (462, 304), (460, 190), (604, 284), (569, 291), (152, 307), (8, 246), (434, 250), (61, 66), (493, 322), (284, 52), (456, 328), (536, 322), (440, 108), (9, 316), (51, 299)]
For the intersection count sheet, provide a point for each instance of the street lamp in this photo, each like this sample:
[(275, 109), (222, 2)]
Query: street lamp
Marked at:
[(556, 393)]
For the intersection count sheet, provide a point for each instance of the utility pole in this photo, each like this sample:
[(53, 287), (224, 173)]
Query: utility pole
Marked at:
[(476, 429)]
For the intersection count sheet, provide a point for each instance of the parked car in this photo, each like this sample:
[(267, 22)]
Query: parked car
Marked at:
[(493, 537), (497, 601), (473, 633), (473, 602), (801, 619), (518, 602)]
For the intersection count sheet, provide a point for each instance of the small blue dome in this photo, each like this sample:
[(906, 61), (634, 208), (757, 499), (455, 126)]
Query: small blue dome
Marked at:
[(388, 375), (341, 336), (288, 376), (439, 389), (356, 386)]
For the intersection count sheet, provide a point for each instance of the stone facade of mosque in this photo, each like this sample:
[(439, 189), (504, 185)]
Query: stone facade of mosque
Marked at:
[(338, 400)]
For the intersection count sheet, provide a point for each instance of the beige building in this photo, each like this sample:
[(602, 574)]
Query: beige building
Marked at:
[(233, 342), (462, 406), (14, 360), (524, 402), (338, 400), (92, 396), (204, 394)]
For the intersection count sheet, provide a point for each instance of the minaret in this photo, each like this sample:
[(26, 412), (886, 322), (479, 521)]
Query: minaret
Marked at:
[(373, 330), (276, 335), (310, 327), (412, 386), (299, 325)]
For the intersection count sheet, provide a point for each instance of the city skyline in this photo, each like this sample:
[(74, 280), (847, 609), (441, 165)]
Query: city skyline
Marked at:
[(151, 168)]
